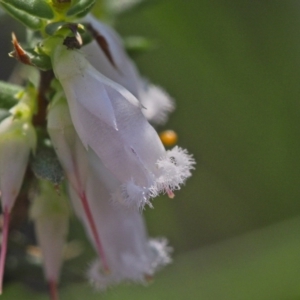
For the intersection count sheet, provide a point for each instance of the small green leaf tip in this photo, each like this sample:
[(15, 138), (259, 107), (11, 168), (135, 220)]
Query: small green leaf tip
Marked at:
[(81, 7), (37, 8), (8, 93)]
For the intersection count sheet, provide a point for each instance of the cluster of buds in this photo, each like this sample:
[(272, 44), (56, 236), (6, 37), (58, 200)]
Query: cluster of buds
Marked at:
[(98, 117)]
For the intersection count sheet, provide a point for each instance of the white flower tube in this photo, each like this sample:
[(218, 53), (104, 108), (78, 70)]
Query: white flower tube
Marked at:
[(130, 255), (50, 213), (73, 157), (113, 62), (108, 119)]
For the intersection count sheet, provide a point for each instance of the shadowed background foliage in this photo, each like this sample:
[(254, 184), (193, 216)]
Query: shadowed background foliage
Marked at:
[(234, 69)]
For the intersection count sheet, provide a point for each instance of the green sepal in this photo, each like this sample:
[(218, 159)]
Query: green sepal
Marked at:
[(86, 37), (37, 8), (81, 7), (29, 21), (45, 165), (8, 94), (52, 28), (41, 61)]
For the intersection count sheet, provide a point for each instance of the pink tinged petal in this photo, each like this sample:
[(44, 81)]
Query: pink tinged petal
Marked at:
[(17, 138), (73, 157), (83, 211)]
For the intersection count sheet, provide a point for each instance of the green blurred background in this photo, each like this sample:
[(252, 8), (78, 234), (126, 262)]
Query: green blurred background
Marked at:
[(234, 69)]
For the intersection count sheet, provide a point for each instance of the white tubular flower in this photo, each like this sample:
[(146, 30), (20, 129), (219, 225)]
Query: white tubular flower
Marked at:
[(130, 255), (113, 62), (109, 120), (50, 213), (73, 157)]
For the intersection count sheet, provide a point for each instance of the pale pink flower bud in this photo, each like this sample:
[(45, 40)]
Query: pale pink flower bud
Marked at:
[(50, 213), (17, 139)]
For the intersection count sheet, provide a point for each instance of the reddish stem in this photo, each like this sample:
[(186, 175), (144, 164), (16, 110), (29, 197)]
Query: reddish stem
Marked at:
[(53, 290), (92, 224), (6, 217)]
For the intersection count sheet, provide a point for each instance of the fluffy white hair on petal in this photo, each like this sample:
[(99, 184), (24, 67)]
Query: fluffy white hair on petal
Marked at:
[(135, 195), (157, 257), (156, 102), (101, 281), (161, 252), (175, 166)]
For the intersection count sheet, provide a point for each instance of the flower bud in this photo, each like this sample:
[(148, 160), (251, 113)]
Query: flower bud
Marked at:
[(50, 213), (17, 139)]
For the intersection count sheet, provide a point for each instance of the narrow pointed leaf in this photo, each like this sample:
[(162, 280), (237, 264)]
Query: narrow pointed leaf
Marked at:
[(38, 8), (29, 21), (40, 61), (136, 45), (7, 94), (81, 7)]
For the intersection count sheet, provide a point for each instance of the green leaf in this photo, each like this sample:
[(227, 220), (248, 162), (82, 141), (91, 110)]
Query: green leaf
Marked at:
[(81, 7), (38, 8), (29, 21), (117, 7), (136, 45), (8, 92), (45, 165), (40, 61)]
